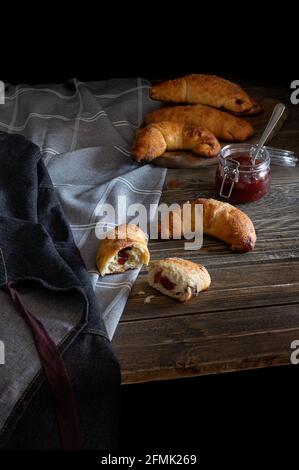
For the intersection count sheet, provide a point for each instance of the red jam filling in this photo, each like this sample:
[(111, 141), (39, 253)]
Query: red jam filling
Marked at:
[(164, 281), (253, 184), (123, 255)]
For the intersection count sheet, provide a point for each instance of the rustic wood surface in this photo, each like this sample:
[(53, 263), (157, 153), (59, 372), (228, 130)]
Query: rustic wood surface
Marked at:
[(250, 314)]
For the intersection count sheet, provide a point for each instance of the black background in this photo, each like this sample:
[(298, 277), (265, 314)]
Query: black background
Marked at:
[(146, 41), (254, 411)]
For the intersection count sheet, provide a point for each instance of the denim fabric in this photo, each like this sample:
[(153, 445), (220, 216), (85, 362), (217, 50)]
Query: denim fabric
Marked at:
[(94, 376), (38, 254)]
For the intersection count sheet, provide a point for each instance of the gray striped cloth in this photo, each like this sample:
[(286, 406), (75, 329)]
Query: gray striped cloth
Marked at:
[(85, 131)]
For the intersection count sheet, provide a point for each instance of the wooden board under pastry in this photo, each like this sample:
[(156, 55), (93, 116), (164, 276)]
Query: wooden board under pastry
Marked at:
[(186, 159)]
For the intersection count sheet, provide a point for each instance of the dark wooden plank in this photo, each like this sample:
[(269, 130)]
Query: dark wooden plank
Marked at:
[(203, 179), (283, 191), (197, 344), (276, 283), (217, 254)]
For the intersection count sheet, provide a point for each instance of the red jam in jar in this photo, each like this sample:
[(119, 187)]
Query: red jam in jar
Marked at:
[(238, 177)]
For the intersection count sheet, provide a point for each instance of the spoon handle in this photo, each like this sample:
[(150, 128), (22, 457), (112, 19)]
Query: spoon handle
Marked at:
[(276, 115)]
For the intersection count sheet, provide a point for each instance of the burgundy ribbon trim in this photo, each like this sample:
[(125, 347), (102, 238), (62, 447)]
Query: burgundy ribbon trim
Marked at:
[(56, 374)]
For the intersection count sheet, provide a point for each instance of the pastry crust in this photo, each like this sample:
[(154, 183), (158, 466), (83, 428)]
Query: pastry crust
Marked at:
[(228, 223), (126, 248), (220, 220), (178, 278), (256, 108), (210, 90), (154, 139), (223, 125)]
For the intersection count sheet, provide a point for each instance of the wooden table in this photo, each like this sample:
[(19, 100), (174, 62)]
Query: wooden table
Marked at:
[(250, 314)]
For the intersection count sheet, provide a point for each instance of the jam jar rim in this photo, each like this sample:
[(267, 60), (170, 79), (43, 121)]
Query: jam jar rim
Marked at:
[(239, 147)]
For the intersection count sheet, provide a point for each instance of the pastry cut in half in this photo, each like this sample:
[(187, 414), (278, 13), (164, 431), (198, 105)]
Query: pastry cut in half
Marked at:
[(178, 278), (125, 247)]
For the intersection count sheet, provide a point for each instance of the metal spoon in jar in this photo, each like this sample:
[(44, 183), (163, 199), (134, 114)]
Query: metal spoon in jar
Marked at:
[(276, 115)]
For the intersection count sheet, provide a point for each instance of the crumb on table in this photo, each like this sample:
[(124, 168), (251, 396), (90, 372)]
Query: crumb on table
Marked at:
[(148, 299)]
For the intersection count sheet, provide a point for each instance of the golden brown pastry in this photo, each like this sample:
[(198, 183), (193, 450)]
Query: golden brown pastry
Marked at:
[(220, 220), (223, 125), (256, 108), (203, 89), (153, 140), (178, 278), (126, 248)]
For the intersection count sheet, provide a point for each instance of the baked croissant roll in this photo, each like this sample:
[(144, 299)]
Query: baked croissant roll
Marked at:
[(126, 248), (153, 140), (203, 89), (223, 125), (256, 108), (220, 220), (178, 278)]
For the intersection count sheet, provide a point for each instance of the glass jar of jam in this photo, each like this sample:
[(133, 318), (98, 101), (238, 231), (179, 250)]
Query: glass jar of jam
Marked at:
[(240, 179)]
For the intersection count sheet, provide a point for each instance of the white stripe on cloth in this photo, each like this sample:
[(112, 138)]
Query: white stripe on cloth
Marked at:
[(91, 226), (117, 95), (14, 115), (52, 116), (50, 150), (20, 91), (77, 121), (114, 285), (138, 190), (122, 150), (124, 123)]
